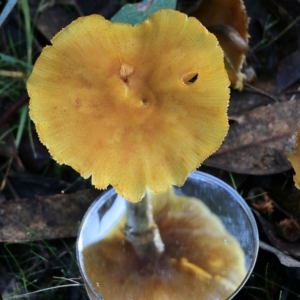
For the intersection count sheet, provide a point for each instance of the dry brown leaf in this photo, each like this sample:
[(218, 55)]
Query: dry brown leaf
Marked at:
[(229, 22), (289, 229), (7, 142), (292, 249), (262, 202), (246, 100), (288, 71), (46, 217), (292, 205), (259, 142), (283, 258), (51, 17)]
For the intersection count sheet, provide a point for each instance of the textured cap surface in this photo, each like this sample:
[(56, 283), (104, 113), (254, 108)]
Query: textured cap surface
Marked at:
[(117, 102)]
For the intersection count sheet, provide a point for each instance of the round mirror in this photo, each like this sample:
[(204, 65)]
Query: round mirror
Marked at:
[(223, 201)]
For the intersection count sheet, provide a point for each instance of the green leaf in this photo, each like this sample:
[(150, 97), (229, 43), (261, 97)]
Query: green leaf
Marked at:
[(139, 12)]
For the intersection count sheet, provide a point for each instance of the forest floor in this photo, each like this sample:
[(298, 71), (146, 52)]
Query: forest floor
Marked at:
[(37, 241)]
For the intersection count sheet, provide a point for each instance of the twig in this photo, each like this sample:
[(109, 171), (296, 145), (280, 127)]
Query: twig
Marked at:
[(259, 91), (43, 290), (73, 280), (12, 190), (293, 92), (14, 108), (3, 183)]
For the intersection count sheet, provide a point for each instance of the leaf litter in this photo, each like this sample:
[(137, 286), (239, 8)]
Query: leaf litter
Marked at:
[(264, 122)]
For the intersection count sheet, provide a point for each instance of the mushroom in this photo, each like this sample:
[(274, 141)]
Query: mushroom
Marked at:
[(294, 158), (228, 20), (138, 107), (201, 258)]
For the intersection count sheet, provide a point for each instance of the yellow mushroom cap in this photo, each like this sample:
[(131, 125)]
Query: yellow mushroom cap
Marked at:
[(228, 20), (201, 259), (294, 158), (114, 101)]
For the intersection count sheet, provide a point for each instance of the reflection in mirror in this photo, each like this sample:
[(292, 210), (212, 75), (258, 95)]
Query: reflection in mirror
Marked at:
[(210, 245)]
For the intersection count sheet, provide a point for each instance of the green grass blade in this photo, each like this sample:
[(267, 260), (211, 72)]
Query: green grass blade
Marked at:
[(7, 9), (23, 118), (28, 31), (13, 61)]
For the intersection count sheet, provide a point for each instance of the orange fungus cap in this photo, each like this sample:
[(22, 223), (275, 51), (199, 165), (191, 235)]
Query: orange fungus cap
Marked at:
[(133, 106), (294, 158)]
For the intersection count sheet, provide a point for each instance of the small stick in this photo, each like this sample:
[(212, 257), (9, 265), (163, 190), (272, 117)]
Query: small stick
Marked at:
[(259, 91), (14, 108)]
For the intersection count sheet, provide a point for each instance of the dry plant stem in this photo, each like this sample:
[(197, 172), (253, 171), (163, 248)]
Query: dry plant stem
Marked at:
[(141, 230), (14, 108)]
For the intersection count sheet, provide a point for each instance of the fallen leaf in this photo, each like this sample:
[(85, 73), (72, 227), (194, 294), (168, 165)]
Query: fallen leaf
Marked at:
[(289, 229), (273, 34), (246, 100), (104, 8), (30, 185), (43, 218), (283, 258), (259, 142), (288, 71), (52, 19), (261, 201), (7, 142), (188, 7), (293, 249), (228, 21), (292, 204), (139, 12)]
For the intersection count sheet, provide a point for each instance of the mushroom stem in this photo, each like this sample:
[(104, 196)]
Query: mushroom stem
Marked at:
[(141, 230)]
